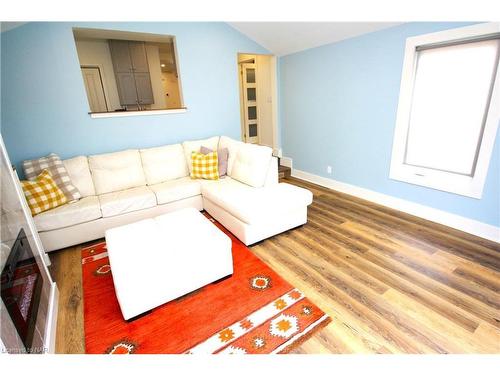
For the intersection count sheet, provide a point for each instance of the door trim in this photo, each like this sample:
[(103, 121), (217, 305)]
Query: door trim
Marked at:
[(274, 97), (104, 90)]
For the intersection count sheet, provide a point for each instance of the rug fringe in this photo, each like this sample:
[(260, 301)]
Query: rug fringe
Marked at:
[(306, 336)]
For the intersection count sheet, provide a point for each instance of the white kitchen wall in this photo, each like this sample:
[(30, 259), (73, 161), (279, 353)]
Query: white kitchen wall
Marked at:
[(96, 52)]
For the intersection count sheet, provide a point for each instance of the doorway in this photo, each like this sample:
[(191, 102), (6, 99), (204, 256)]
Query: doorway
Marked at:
[(258, 99), (94, 87)]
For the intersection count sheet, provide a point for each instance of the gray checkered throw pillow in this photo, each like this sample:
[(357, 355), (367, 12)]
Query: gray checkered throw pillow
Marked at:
[(55, 166)]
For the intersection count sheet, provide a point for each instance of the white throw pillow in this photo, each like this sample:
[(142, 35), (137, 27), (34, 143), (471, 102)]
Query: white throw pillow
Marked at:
[(190, 146), (116, 171), (164, 163), (79, 172), (252, 164), (232, 147)]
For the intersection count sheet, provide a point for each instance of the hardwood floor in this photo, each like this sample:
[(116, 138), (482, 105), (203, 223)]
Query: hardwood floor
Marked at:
[(66, 270), (391, 282)]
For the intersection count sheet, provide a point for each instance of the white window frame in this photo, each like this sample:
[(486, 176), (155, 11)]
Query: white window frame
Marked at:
[(471, 186)]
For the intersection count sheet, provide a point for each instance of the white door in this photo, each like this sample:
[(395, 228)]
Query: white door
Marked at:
[(249, 103), (95, 89)]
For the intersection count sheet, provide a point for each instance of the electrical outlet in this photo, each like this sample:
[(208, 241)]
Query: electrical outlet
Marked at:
[(329, 169)]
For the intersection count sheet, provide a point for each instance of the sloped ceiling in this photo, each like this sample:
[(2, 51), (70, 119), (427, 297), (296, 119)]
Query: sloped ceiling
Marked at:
[(283, 38), (6, 26)]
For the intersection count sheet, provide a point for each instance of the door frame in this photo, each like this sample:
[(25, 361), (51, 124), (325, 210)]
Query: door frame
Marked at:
[(100, 69), (274, 97)]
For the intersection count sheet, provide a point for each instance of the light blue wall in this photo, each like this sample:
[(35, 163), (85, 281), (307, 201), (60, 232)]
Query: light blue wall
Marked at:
[(337, 103), (338, 107), (45, 109)]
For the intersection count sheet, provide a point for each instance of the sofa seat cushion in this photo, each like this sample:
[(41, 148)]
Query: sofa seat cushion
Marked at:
[(256, 205), (82, 211), (121, 202), (176, 190)]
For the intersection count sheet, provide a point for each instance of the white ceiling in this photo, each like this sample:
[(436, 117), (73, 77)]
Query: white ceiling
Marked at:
[(283, 38), (6, 26)]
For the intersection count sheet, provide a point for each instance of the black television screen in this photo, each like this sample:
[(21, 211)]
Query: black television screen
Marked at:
[(21, 287)]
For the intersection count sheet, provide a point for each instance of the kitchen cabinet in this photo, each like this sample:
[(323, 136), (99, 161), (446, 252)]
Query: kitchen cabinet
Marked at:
[(131, 68)]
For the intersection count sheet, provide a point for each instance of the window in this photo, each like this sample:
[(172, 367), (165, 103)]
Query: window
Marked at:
[(128, 73), (449, 109)]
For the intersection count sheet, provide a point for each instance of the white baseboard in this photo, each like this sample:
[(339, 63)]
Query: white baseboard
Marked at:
[(464, 224), (287, 162)]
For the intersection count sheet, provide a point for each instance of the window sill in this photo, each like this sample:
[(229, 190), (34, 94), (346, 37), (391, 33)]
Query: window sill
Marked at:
[(466, 186), (137, 113)]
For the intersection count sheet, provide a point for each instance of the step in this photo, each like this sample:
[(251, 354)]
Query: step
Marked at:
[(284, 172)]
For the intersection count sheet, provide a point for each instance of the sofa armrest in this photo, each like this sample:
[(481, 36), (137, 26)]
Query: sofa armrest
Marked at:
[(272, 172)]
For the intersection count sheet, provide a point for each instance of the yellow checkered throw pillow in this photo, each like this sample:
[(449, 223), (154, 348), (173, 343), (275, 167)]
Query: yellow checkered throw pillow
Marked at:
[(205, 166), (42, 194)]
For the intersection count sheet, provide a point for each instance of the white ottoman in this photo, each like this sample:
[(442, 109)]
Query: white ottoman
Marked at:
[(157, 260)]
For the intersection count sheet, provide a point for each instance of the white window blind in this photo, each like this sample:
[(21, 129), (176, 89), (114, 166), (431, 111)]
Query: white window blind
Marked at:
[(451, 98)]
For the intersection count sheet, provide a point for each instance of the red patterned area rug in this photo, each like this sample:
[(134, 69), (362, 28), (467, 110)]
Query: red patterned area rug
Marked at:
[(253, 311)]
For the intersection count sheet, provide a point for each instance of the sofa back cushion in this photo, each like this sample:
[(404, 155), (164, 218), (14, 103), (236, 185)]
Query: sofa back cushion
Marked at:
[(164, 163), (190, 146), (232, 146), (252, 164), (79, 172), (116, 171)]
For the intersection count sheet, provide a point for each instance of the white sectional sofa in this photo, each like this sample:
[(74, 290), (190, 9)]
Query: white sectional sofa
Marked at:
[(126, 186)]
